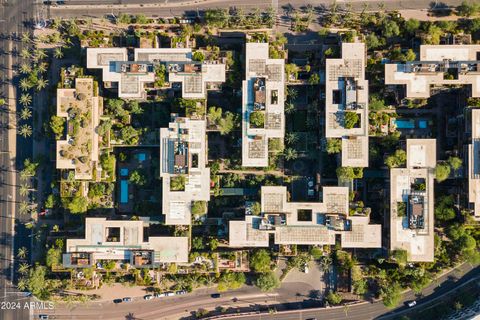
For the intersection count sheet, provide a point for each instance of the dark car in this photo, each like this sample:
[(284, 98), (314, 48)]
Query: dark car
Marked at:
[(216, 295), (181, 292), (127, 299), (117, 301)]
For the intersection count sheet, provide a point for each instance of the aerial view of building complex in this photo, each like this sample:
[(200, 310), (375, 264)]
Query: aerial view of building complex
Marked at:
[(240, 159)]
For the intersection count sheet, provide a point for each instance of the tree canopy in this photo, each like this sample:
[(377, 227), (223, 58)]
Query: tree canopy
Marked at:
[(260, 261), (267, 281)]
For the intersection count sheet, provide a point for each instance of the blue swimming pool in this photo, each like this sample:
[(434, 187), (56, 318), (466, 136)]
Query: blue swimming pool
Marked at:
[(422, 124), (124, 191), (404, 124), (141, 157), (124, 172)]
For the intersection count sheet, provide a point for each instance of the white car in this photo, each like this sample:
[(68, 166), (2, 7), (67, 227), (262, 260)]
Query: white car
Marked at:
[(169, 294), (412, 304)]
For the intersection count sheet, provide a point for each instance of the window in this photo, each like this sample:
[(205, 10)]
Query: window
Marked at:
[(274, 97), (304, 215), (337, 97), (194, 160)]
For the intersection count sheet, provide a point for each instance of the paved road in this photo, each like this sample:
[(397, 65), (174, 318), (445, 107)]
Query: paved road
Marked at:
[(176, 307), (99, 8), (377, 310), (12, 233)]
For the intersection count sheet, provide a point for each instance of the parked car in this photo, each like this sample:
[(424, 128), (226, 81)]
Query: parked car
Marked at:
[(127, 299), (117, 301), (43, 316), (169, 294), (159, 295), (148, 297), (181, 292), (215, 295), (412, 303)]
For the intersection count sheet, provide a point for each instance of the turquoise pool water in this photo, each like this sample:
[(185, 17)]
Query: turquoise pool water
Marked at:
[(404, 124), (124, 191), (422, 124), (124, 172), (141, 157)]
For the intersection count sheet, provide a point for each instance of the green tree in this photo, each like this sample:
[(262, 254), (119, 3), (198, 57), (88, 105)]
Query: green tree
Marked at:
[(50, 202), (411, 26), (333, 298), (290, 154), (314, 79), (257, 119), (442, 172), (399, 158), (468, 9), (291, 138), (77, 205), (351, 119), (390, 28), (231, 280), (58, 53), (25, 114), (455, 162), (22, 253), (260, 261), (25, 130), (37, 283), (400, 256), (54, 257), (391, 294), (256, 208), (372, 41), (316, 252), (334, 145), (213, 243), (267, 281), (198, 56), (228, 123), (25, 84), (197, 243), (177, 183), (349, 173), (25, 99), (138, 178), (444, 210), (41, 84), (410, 55), (214, 114), (199, 207)]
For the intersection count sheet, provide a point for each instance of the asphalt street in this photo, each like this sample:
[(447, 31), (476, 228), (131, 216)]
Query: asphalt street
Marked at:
[(12, 233), (170, 8), (292, 294)]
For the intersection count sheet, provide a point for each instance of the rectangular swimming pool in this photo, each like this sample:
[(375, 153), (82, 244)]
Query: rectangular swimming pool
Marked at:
[(124, 191), (124, 172), (404, 123), (141, 157)]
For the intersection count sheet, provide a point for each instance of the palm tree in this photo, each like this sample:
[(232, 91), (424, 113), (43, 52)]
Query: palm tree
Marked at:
[(289, 108), (23, 268), (25, 99), (40, 54), (24, 207), (292, 93), (25, 68), (42, 67), (41, 84), (22, 253), (24, 189), (25, 131), (22, 284), (290, 154), (25, 53), (25, 84), (58, 53), (291, 137), (26, 37), (26, 113)]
